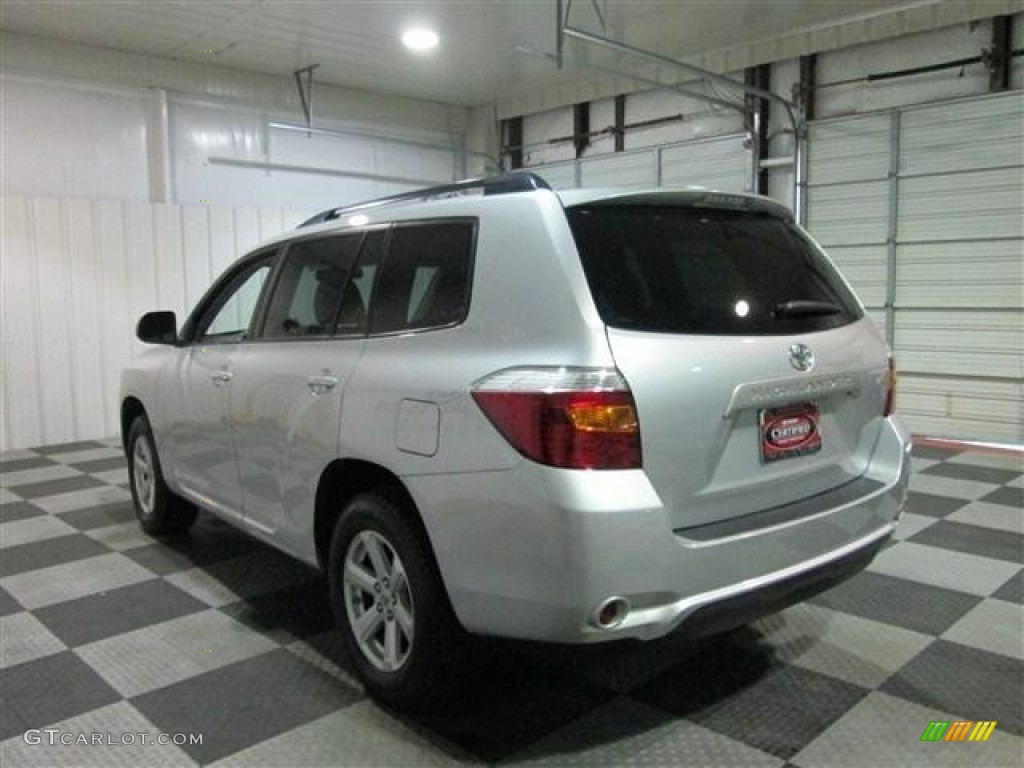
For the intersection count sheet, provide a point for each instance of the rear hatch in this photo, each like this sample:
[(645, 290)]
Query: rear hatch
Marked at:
[(757, 378)]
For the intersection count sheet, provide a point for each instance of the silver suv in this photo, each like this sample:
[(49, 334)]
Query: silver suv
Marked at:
[(491, 408)]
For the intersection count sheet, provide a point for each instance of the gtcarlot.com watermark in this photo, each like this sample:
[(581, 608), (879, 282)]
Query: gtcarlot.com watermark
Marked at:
[(55, 737)]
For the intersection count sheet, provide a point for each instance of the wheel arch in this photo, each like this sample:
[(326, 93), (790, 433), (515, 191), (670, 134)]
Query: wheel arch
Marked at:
[(131, 409), (343, 480)]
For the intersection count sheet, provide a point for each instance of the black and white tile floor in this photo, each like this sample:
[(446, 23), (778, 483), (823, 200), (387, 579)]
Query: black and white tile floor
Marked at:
[(108, 633)]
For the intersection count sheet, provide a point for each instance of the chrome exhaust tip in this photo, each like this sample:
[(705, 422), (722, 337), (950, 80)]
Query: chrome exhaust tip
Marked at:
[(611, 612)]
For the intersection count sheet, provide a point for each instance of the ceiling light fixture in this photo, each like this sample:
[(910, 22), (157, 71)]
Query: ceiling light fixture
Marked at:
[(420, 39)]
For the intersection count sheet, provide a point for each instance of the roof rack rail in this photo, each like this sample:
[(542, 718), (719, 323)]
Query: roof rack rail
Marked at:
[(503, 184)]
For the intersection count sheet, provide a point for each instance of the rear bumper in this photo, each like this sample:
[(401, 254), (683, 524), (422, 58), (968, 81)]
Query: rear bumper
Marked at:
[(722, 614), (538, 565), (737, 604)]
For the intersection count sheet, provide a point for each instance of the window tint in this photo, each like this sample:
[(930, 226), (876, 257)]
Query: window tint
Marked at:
[(310, 287), (425, 281), (354, 309), (690, 270), (230, 314)]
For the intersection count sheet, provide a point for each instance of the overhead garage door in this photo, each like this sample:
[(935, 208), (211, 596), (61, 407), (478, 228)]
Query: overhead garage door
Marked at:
[(721, 163), (922, 210)]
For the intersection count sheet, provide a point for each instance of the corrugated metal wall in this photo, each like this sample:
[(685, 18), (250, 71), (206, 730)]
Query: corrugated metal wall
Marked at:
[(721, 163), (923, 210), (76, 275)]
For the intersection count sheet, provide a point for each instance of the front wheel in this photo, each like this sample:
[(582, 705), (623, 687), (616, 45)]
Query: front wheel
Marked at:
[(159, 511), (390, 604)]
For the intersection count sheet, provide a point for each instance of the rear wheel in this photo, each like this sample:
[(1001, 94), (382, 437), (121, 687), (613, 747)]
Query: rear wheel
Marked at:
[(159, 511), (390, 604)]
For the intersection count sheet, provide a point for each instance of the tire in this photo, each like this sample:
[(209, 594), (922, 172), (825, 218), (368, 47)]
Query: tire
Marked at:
[(160, 512), (384, 580)]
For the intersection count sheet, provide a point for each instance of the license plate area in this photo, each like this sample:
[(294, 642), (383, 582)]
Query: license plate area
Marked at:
[(789, 431)]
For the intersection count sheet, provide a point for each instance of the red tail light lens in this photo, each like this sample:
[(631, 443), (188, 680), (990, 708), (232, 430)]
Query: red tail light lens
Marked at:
[(890, 388), (575, 418)]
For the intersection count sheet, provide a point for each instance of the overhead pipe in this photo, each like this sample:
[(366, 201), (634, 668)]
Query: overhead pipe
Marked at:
[(607, 130), (620, 122), (985, 58), (232, 162), (798, 132), (380, 136)]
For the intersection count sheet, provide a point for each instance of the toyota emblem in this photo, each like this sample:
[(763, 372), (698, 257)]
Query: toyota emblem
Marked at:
[(801, 357)]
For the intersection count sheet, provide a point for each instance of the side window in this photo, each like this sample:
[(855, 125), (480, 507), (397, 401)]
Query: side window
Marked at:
[(354, 317), (311, 287), (425, 281), (230, 314)]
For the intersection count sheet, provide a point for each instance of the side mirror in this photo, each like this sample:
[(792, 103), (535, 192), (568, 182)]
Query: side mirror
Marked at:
[(158, 328)]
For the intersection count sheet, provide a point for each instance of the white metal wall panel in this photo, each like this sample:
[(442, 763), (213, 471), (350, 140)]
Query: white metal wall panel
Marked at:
[(558, 175), (701, 119), (854, 214), (864, 268), (961, 232), (89, 407), (960, 275), (847, 192), (960, 342), (53, 274), (75, 277), (622, 169), (195, 227), (170, 266), (957, 257), (115, 306), (112, 148), (73, 140), (961, 206), (22, 422), (968, 136), (847, 68), (539, 128), (854, 149), (992, 410), (722, 163)]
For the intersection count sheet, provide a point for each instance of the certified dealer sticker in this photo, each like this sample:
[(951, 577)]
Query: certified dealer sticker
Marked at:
[(789, 432)]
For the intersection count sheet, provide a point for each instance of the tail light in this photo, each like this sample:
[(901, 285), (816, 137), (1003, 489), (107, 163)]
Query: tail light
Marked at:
[(890, 388), (576, 418)]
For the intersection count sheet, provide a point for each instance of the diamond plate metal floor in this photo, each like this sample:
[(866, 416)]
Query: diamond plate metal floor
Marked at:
[(107, 632)]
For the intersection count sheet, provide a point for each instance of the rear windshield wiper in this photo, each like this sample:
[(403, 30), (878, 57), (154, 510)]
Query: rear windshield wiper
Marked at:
[(805, 308)]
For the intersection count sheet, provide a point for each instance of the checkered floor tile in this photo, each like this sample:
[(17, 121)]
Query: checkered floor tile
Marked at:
[(108, 634)]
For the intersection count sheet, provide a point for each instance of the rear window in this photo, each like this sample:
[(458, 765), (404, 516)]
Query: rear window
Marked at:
[(706, 271)]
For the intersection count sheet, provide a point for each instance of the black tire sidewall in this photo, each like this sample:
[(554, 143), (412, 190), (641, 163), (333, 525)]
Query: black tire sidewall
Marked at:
[(434, 627), (154, 521), (170, 514)]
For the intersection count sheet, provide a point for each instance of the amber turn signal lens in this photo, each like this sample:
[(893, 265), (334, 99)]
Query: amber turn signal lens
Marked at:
[(602, 418)]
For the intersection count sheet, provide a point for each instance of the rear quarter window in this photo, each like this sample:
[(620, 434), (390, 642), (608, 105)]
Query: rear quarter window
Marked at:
[(673, 269), (425, 279)]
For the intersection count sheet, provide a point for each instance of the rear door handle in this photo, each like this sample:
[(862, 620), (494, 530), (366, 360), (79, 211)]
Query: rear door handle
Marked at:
[(220, 378), (320, 385)]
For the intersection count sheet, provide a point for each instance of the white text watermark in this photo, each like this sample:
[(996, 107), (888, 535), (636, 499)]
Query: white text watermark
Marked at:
[(56, 737)]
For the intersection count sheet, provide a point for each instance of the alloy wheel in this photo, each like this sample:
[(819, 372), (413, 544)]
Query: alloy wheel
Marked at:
[(378, 601)]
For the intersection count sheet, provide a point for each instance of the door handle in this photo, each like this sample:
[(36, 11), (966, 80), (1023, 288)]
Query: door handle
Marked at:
[(220, 378), (320, 385)]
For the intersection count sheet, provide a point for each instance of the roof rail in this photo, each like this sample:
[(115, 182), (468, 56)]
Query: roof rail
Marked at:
[(503, 184)]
